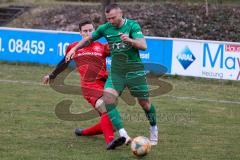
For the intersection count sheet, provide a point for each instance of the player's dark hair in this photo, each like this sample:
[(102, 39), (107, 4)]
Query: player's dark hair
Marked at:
[(109, 7), (84, 21)]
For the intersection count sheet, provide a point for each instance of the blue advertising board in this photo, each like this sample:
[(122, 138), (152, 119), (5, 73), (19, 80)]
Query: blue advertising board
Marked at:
[(187, 57), (48, 47)]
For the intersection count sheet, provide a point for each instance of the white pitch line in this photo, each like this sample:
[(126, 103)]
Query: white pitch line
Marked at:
[(203, 99), (172, 96), (21, 82)]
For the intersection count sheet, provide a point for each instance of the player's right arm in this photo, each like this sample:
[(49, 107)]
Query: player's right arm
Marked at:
[(106, 50), (61, 66)]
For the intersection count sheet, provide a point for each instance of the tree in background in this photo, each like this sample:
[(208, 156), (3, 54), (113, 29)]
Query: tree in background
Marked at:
[(206, 8)]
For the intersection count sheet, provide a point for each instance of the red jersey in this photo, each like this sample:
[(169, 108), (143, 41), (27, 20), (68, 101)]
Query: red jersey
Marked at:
[(91, 61)]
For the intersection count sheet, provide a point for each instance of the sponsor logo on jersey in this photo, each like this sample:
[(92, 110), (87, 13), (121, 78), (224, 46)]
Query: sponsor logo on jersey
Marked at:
[(121, 46), (89, 53)]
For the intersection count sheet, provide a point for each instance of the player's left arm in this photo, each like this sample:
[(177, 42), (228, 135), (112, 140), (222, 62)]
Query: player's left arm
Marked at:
[(136, 37), (84, 42)]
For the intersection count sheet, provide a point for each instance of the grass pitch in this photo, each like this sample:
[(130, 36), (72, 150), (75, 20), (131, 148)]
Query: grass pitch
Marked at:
[(198, 119)]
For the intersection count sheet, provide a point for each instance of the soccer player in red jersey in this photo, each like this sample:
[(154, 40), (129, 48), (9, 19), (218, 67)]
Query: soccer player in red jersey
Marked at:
[(91, 64)]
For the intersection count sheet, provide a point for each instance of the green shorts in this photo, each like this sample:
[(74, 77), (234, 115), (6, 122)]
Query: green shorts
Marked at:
[(136, 82)]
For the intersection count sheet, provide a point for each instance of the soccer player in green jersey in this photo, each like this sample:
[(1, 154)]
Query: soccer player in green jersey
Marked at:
[(125, 39)]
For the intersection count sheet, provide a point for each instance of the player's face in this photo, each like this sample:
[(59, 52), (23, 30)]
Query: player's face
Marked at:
[(86, 30), (114, 17)]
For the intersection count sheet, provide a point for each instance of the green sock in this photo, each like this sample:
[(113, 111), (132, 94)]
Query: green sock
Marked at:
[(114, 116), (151, 115)]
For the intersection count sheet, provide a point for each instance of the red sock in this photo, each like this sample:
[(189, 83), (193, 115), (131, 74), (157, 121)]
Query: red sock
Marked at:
[(93, 130), (107, 128)]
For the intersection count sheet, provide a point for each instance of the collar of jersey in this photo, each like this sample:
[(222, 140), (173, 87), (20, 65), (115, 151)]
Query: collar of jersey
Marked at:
[(125, 21)]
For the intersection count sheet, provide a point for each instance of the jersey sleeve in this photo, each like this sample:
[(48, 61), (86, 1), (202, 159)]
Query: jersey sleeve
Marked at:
[(136, 31), (68, 49), (70, 46), (98, 33), (62, 65), (106, 50)]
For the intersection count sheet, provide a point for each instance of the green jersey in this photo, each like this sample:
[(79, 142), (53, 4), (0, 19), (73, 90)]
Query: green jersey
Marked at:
[(121, 51)]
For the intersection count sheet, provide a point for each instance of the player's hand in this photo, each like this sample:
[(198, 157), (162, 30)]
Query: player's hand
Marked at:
[(69, 55), (46, 79), (125, 38)]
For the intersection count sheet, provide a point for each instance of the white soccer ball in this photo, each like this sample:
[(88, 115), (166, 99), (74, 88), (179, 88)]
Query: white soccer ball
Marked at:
[(140, 146)]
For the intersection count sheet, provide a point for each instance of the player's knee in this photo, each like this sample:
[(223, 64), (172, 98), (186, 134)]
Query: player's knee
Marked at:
[(145, 103), (110, 96), (100, 106), (109, 99)]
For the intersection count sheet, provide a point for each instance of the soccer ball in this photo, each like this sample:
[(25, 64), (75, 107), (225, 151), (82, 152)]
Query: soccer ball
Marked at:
[(140, 146)]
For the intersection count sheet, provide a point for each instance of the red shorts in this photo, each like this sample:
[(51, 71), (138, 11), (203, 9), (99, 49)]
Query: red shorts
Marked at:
[(92, 91)]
